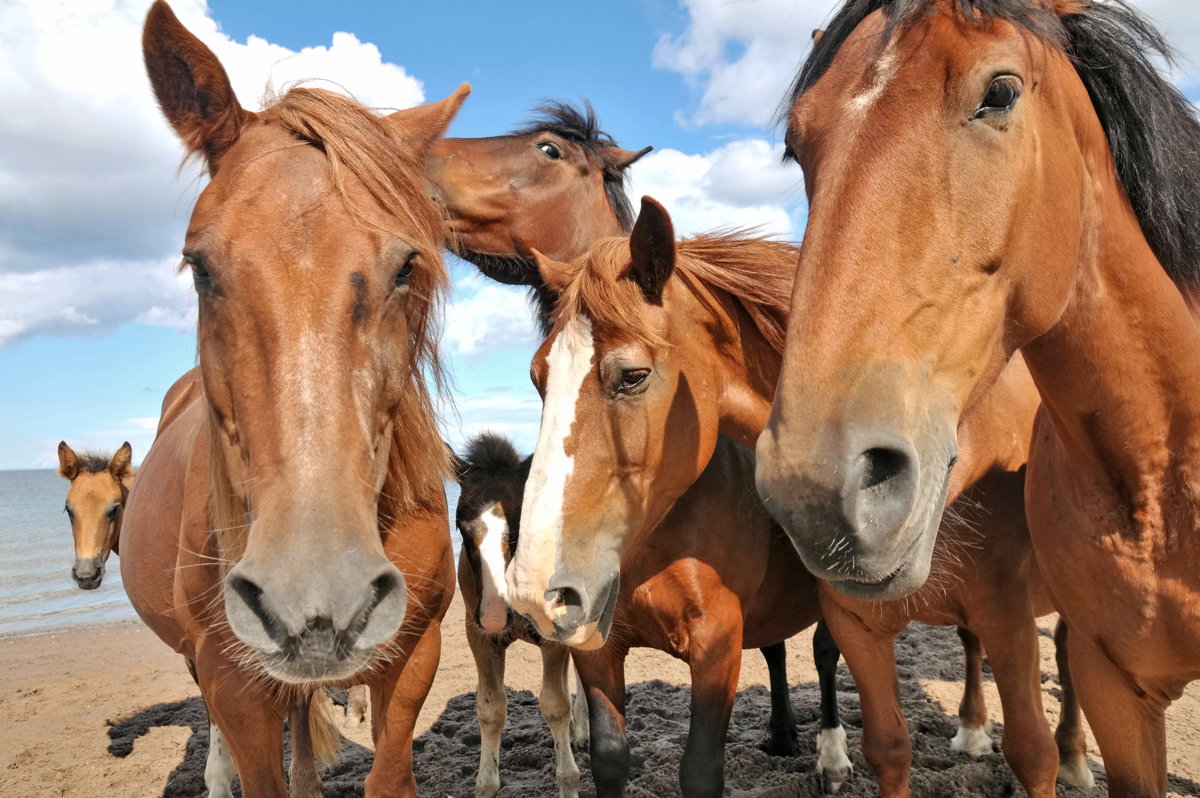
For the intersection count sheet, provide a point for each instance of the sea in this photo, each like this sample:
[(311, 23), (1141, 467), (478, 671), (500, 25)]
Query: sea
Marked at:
[(37, 593)]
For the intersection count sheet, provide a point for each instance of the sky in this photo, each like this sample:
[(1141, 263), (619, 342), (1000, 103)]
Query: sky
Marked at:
[(95, 323)]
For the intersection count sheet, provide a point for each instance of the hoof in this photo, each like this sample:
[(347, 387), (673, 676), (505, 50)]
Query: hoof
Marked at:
[(1074, 772), (972, 741), (782, 742), (833, 764)]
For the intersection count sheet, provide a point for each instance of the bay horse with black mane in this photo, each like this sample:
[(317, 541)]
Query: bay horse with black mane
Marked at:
[(95, 502), (288, 528), (987, 177), (681, 341)]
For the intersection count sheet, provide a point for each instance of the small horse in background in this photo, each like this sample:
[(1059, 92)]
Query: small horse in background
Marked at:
[(100, 485), (672, 564), (555, 186), (689, 336), (288, 528), (492, 476)]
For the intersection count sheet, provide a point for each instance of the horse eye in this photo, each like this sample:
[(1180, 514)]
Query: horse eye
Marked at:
[(406, 270), (67, 510), (631, 379), (549, 150), (112, 511), (1001, 96), (201, 277)]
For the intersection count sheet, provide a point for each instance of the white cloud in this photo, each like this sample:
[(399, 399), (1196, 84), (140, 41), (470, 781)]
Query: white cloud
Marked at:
[(88, 183), (741, 55), (485, 316), (742, 184)]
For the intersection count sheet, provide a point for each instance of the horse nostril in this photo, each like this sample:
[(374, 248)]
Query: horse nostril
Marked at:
[(881, 465), (567, 597), (251, 595)]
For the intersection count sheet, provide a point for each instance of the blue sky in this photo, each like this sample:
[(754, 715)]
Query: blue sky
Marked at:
[(95, 325)]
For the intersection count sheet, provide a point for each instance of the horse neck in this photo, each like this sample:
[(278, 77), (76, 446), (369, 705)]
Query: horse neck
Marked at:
[(1119, 374), (747, 365)]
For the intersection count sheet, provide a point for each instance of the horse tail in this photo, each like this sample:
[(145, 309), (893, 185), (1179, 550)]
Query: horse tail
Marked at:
[(323, 730)]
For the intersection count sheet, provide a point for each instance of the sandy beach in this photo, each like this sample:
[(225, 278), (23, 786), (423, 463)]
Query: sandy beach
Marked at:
[(110, 710)]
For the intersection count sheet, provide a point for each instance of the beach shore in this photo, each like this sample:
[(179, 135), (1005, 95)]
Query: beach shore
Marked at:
[(110, 710)]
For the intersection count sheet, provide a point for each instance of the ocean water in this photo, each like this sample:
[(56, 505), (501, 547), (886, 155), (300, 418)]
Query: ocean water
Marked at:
[(37, 593)]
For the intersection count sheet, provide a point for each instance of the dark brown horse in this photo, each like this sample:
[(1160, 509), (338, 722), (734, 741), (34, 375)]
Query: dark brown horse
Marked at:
[(95, 502), (288, 528), (688, 339), (555, 186), (987, 177)]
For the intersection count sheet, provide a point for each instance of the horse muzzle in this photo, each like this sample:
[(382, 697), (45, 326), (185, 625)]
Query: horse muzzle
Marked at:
[(88, 572)]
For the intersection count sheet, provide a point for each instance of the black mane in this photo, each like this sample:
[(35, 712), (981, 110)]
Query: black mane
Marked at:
[(582, 127), (490, 453), (1152, 129)]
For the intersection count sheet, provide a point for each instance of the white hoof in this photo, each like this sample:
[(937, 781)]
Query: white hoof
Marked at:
[(1075, 772), (972, 741), (833, 764)]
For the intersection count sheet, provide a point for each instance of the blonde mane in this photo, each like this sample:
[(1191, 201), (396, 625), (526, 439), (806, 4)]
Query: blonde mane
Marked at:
[(754, 272)]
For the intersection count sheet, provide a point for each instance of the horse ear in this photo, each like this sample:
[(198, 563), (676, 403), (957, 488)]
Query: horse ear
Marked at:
[(68, 463), (623, 159), (121, 465), (427, 123), (191, 86), (555, 274), (1064, 8), (651, 250), (817, 33)]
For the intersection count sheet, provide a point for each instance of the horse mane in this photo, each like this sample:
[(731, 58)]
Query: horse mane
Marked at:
[(755, 272), (582, 127), (490, 453), (1153, 131), (93, 462)]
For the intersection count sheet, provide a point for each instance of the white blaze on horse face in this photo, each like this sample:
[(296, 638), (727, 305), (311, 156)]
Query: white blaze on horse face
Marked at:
[(568, 364), (493, 609)]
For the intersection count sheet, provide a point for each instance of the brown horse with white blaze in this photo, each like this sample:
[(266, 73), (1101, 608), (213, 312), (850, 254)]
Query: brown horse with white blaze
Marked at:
[(987, 177), (690, 333), (288, 529), (95, 502)]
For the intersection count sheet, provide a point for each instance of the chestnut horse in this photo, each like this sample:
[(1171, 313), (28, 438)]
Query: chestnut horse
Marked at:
[(988, 177), (95, 501), (288, 528), (554, 186), (688, 338)]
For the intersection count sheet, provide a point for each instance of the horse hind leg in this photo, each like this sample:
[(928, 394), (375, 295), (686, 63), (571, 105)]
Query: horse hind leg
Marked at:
[(1073, 767), (973, 736), (357, 703), (556, 709), (833, 762), (580, 719), (783, 740)]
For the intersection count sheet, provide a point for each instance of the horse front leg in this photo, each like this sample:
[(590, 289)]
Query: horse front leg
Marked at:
[(715, 660), (580, 723), (603, 675), (783, 739), (219, 770), (1129, 724), (247, 723), (555, 699), (491, 707), (1010, 637), (871, 658), (396, 698), (316, 744), (1073, 767), (833, 762), (973, 735)]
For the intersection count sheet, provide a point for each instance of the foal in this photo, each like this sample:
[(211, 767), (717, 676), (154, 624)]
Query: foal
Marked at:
[(95, 501)]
